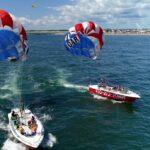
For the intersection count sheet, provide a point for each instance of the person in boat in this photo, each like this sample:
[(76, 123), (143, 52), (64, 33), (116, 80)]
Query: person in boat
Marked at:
[(32, 121), (33, 125), (102, 83), (15, 118), (34, 129), (21, 130), (115, 88), (14, 115)]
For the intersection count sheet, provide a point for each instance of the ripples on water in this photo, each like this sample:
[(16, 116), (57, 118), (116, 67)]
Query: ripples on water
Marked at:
[(53, 84)]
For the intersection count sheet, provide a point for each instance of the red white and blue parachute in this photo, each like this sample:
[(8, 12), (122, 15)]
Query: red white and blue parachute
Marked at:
[(13, 38), (85, 39)]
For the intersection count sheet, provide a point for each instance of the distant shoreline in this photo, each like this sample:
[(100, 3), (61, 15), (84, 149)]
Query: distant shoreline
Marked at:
[(127, 33), (117, 32), (55, 32)]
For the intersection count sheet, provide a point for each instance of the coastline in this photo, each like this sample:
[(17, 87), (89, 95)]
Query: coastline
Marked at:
[(63, 32)]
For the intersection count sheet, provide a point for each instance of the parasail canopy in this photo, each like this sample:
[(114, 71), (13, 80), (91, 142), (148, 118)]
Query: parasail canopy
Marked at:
[(84, 39), (13, 38)]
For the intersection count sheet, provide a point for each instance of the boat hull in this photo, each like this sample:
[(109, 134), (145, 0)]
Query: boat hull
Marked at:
[(112, 95)]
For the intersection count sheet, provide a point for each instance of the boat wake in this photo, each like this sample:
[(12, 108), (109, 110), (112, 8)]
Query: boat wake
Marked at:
[(63, 75), (3, 126), (100, 98), (117, 102), (49, 141), (66, 84), (11, 90), (45, 117), (37, 87), (14, 145)]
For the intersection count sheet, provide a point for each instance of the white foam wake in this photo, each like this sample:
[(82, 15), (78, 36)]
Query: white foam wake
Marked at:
[(117, 102), (11, 90), (105, 98), (45, 117), (3, 126), (49, 141), (66, 84), (63, 76), (12, 145), (99, 97)]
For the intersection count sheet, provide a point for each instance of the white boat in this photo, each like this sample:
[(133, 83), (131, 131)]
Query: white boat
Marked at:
[(22, 129)]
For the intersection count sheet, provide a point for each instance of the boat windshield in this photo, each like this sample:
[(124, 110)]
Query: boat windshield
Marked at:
[(120, 89)]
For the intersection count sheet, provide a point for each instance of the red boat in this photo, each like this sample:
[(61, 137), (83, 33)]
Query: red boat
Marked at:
[(113, 93)]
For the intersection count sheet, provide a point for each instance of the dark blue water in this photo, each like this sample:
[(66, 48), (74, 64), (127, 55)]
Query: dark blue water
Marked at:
[(53, 84)]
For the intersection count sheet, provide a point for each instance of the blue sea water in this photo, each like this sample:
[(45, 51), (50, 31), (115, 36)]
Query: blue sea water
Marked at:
[(53, 84)]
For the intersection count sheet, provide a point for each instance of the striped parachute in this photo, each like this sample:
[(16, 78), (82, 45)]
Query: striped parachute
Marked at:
[(13, 38), (84, 39)]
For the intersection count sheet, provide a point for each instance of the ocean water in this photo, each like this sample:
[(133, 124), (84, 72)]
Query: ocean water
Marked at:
[(53, 84)]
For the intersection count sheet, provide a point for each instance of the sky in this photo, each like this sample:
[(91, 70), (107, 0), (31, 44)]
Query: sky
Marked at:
[(63, 14)]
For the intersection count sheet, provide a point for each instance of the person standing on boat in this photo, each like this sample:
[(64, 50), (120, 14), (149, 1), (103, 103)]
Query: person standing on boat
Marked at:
[(14, 115)]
